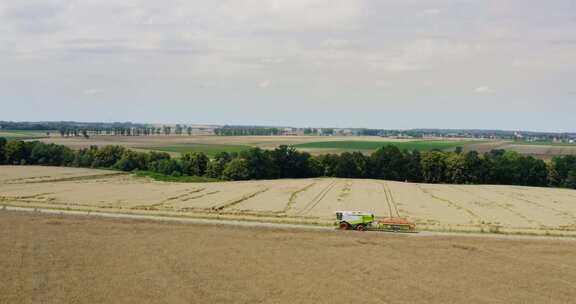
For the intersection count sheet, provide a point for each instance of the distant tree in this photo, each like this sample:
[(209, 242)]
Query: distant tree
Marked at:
[(167, 130), (154, 159), (194, 163), (178, 130), (571, 179), (217, 165), (50, 154), (237, 169), (329, 163), (456, 168), (413, 171), (328, 131), (289, 163), (529, 171), (169, 167), (15, 152), (388, 163), (500, 164), (107, 156), (131, 161), (315, 167), (433, 167), (554, 179), (562, 166), (3, 142), (352, 165), (259, 163), (84, 157)]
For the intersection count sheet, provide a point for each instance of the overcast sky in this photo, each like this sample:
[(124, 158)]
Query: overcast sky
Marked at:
[(344, 63)]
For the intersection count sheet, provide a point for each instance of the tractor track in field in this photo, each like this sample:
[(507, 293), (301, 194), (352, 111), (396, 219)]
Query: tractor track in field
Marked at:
[(165, 203), (473, 216), (392, 207), (317, 199), (292, 200), (74, 178), (24, 180), (238, 201), (500, 205), (557, 211), (26, 197)]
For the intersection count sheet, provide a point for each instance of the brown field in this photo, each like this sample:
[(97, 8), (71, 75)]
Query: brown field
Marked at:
[(68, 259), (543, 151), (157, 141), (475, 208)]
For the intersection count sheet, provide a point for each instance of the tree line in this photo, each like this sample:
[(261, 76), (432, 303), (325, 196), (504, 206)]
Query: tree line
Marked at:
[(497, 167), (125, 131), (247, 131)]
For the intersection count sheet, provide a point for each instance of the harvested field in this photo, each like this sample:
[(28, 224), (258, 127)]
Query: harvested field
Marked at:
[(541, 151), (479, 208), (68, 259), (213, 144), (421, 145), (175, 141), (26, 134)]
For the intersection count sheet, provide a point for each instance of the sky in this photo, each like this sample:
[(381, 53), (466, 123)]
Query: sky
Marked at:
[(393, 64)]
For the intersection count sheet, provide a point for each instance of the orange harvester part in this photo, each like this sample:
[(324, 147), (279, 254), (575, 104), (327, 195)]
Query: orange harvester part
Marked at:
[(396, 222)]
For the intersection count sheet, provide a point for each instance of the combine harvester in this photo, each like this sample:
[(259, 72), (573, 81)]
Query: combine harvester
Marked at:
[(364, 221)]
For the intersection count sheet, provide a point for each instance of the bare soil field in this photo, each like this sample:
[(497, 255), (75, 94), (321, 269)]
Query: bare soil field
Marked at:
[(543, 151), (468, 208), (68, 259), (156, 141)]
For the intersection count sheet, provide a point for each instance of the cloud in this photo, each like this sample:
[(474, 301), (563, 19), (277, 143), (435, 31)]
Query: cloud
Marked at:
[(431, 11), (335, 43), (34, 16), (272, 60), (294, 15), (92, 92), (313, 49), (264, 84), (483, 90)]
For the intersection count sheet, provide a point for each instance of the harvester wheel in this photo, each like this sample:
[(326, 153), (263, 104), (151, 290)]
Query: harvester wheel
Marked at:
[(360, 228), (344, 226)]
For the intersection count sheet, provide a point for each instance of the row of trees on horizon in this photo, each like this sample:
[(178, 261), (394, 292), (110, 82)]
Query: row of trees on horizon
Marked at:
[(389, 163), (126, 131)]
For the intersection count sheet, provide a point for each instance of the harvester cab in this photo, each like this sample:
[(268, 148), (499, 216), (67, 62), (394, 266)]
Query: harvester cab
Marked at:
[(357, 220)]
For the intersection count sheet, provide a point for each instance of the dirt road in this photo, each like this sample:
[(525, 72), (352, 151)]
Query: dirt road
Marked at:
[(54, 259)]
